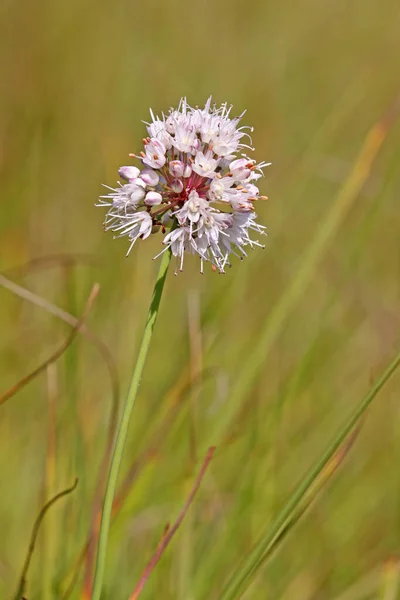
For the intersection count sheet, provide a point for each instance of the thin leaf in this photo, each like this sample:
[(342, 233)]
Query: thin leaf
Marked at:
[(243, 576), (35, 531)]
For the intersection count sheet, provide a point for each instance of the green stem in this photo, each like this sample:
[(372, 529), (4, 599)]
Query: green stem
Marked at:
[(124, 426)]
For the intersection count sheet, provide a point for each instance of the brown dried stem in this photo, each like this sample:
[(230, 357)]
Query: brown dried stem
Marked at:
[(35, 531), (56, 355), (73, 322), (168, 532), (48, 262)]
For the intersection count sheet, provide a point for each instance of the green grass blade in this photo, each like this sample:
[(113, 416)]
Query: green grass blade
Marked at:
[(241, 579)]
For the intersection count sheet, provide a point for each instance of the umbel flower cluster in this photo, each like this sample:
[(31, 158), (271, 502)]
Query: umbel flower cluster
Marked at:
[(195, 186)]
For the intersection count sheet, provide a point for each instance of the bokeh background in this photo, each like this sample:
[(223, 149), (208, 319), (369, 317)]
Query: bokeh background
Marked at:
[(77, 79)]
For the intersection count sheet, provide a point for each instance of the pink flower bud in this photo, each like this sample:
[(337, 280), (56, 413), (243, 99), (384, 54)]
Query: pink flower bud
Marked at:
[(177, 186), (153, 199), (150, 177), (128, 173), (136, 193), (138, 181)]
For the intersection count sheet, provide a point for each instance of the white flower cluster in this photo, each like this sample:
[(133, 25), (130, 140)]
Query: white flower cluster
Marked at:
[(190, 166)]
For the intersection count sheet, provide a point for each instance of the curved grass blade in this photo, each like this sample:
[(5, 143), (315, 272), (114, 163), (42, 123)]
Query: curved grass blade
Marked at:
[(35, 531), (73, 322), (55, 355)]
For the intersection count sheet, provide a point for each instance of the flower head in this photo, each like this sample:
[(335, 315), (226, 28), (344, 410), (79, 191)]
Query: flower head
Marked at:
[(195, 175)]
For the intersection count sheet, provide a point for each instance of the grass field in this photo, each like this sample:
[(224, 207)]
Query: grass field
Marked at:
[(265, 362)]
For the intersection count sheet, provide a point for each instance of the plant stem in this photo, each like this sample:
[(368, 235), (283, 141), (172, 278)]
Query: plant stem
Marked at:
[(124, 426)]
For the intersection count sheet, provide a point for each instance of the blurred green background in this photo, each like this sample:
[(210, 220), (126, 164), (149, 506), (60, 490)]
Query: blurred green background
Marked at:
[(77, 80)]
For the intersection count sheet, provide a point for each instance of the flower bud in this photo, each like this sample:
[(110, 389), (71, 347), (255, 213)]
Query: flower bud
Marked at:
[(137, 193), (150, 177), (138, 181), (177, 186), (153, 199), (128, 173)]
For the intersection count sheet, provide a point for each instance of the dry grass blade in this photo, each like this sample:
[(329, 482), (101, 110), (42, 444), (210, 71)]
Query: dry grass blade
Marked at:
[(168, 532), (48, 262), (35, 531), (73, 322), (56, 355)]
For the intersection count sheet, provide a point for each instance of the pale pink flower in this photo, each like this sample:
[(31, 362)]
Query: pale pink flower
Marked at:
[(195, 177)]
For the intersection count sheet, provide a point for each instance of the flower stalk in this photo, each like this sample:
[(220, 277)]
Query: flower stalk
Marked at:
[(195, 180), (124, 426)]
